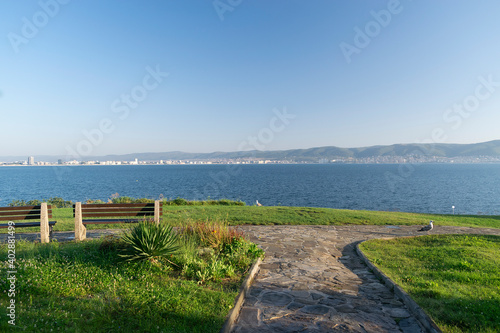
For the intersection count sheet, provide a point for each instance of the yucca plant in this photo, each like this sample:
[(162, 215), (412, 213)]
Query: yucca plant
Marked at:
[(150, 241)]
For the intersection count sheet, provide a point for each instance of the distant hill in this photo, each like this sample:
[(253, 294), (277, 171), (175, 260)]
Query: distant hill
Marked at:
[(485, 149)]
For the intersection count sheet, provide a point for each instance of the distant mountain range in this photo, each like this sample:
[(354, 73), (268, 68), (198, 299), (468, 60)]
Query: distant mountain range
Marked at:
[(441, 150)]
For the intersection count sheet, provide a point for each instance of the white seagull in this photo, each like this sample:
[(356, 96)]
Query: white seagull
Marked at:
[(258, 203), (428, 227)]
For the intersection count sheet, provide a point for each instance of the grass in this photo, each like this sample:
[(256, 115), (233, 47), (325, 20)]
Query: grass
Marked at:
[(319, 216), (458, 283), (238, 215), (86, 287), (454, 278), (177, 211)]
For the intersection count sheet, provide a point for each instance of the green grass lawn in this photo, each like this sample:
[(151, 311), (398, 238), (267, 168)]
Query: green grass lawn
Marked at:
[(85, 287), (454, 278), (280, 215), (237, 215)]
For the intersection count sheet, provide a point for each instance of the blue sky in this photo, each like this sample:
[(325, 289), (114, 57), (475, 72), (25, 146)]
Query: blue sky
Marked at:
[(111, 77)]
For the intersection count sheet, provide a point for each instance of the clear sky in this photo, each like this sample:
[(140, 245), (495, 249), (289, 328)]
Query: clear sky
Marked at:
[(111, 77)]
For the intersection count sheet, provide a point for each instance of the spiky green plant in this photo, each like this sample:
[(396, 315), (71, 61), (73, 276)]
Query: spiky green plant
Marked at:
[(150, 241)]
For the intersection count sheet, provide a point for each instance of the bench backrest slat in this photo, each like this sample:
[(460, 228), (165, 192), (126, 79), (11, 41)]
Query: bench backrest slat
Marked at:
[(27, 224), (106, 206), (108, 214), (22, 213), (9, 209), (20, 218), (119, 210)]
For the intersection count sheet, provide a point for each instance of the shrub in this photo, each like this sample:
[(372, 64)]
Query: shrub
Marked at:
[(56, 202), (212, 233), (122, 200), (143, 200), (215, 269), (241, 253), (98, 201), (205, 265), (150, 241), (19, 203), (59, 202), (227, 202), (208, 202), (180, 202), (116, 199), (213, 252)]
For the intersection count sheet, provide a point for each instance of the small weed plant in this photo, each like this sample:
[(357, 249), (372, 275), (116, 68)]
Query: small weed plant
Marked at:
[(215, 234)]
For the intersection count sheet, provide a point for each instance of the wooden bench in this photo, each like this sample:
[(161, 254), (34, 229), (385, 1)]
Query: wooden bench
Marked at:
[(105, 214), (23, 213)]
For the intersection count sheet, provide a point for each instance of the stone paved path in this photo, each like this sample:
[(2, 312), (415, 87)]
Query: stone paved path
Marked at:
[(312, 280)]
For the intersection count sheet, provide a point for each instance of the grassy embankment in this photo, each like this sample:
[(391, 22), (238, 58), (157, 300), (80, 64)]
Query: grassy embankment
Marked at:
[(454, 278), (238, 215), (179, 211)]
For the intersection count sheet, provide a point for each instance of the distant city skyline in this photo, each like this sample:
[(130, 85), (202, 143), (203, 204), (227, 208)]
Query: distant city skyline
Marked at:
[(98, 78), (485, 152)]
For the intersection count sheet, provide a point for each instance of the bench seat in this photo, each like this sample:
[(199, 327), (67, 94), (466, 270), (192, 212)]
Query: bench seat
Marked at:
[(27, 224), (111, 221)]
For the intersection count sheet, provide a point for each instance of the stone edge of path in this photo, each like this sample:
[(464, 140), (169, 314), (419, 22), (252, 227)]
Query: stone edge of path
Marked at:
[(235, 311), (427, 323)]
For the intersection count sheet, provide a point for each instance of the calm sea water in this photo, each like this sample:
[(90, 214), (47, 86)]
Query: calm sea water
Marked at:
[(433, 188)]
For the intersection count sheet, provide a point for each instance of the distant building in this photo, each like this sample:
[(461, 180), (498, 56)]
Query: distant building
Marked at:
[(31, 160), (60, 162)]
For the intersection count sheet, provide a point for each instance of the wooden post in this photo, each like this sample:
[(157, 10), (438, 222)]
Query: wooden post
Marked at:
[(80, 230), (44, 224), (157, 212)]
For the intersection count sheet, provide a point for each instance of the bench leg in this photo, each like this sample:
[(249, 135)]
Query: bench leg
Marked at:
[(80, 230), (44, 224)]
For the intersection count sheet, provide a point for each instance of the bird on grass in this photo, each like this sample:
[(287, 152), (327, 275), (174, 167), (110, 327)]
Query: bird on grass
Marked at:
[(258, 203), (428, 227)]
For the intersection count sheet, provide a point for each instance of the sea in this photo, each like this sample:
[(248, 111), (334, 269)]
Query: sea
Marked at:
[(466, 189)]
